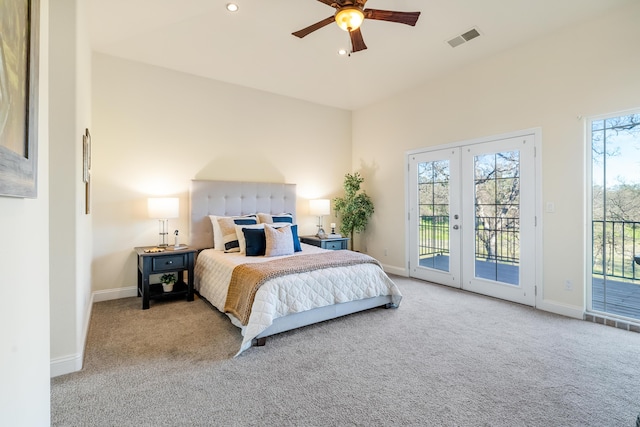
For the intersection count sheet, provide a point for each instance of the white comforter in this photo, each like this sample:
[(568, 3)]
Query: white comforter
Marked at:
[(289, 294)]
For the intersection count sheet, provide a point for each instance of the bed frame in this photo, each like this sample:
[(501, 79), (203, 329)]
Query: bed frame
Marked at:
[(229, 198)]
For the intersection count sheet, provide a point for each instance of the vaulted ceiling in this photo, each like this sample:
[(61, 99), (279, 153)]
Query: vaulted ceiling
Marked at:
[(253, 47)]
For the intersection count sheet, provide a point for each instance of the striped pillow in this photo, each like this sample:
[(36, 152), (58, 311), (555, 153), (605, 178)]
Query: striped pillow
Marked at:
[(272, 219), (228, 230)]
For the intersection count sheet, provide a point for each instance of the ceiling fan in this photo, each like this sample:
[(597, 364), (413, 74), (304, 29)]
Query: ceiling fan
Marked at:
[(349, 16)]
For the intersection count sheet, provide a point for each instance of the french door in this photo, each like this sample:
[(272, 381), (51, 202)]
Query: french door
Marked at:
[(472, 217), (434, 197)]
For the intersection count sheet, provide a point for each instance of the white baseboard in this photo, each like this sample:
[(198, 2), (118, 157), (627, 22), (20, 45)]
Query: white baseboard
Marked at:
[(395, 270), (562, 309), (66, 365), (73, 362), (117, 293)]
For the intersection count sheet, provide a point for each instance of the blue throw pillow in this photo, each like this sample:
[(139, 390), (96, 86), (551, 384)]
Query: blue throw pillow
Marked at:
[(296, 239), (256, 243), (282, 218)]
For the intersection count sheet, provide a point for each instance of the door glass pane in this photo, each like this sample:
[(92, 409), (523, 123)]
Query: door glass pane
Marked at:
[(497, 216), (615, 144), (433, 219)]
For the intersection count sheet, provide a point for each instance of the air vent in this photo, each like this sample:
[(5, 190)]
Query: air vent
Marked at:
[(456, 41), (464, 37)]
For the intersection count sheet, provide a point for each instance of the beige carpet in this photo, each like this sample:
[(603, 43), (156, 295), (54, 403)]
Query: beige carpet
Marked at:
[(445, 357)]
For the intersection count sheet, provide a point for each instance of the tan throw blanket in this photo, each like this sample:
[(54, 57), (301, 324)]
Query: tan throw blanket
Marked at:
[(247, 278)]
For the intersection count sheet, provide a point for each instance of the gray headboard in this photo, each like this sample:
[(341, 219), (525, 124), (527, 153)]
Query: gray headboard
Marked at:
[(234, 198)]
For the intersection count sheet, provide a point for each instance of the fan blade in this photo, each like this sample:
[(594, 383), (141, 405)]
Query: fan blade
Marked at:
[(357, 42), (311, 28), (341, 3), (409, 18)]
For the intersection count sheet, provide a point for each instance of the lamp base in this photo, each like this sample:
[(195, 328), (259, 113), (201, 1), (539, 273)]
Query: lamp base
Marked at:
[(163, 226), (177, 248)]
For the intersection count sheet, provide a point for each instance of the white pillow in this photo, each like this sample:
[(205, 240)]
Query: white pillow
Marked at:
[(279, 240), (218, 245)]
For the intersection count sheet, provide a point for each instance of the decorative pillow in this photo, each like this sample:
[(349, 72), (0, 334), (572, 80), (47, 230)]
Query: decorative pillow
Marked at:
[(271, 219), (218, 243), (279, 241), (228, 229), (255, 242), (286, 218), (296, 239), (217, 233), (257, 245), (242, 242)]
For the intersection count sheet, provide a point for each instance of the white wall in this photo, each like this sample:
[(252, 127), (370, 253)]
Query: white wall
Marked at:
[(589, 69), (24, 261), (70, 231), (155, 130)]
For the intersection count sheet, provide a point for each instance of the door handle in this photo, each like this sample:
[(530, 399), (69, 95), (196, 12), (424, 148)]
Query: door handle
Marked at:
[(455, 227)]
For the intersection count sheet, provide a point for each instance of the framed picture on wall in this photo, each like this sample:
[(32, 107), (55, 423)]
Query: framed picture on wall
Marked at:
[(85, 159), (86, 168), (19, 53)]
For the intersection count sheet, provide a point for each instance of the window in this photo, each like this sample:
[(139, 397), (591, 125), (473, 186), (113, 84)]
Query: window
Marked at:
[(615, 214)]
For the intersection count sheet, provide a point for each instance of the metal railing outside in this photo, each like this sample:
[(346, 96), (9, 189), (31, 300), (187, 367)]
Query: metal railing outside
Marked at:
[(497, 243), (614, 245), (498, 239), (434, 235)]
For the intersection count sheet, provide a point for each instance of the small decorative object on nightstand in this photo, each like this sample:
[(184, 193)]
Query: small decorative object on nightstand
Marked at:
[(333, 234), (168, 281), (166, 261), (326, 243), (177, 245)]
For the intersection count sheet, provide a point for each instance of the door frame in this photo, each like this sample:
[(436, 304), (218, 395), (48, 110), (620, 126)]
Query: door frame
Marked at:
[(538, 252)]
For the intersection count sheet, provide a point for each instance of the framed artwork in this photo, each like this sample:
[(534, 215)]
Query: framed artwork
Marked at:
[(87, 194), (86, 169), (19, 53)]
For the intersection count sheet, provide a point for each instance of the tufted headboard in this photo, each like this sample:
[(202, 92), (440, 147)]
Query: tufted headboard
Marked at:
[(234, 198)]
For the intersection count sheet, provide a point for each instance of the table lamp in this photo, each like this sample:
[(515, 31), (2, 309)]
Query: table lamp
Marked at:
[(163, 208), (319, 208)]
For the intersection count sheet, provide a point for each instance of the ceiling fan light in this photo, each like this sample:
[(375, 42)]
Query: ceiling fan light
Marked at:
[(349, 18)]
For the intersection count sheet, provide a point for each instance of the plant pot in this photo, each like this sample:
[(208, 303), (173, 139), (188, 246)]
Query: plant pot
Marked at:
[(167, 287)]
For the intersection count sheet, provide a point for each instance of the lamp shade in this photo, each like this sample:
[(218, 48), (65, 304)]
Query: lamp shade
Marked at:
[(163, 207), (320, 207), (349, 18)]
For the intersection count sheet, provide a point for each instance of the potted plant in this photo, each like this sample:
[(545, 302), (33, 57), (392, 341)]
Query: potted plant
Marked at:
[(355, 207), (167, 281)]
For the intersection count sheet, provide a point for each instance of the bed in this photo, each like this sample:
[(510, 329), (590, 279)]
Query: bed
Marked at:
[(286, 291)]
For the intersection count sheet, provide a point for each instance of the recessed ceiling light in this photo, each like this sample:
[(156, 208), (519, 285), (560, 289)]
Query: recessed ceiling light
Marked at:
[(342, 52), (232, 7)]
